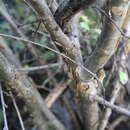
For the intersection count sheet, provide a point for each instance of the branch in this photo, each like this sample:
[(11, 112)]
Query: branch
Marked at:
[(117, 121), (117, 86), (3, 108), (56, 33), (108, 111), (18, 112), (6, 51), (68, 8), (51, 49), (5, 14), (52, 5), (110, 105), (30, 95), (55, 94), (107, 47), (40, 67)]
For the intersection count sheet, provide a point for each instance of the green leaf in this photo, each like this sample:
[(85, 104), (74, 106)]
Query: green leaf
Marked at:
[(84, 26), (98, 31), (93, 42), (49, 55), (31, 18), (123, 76), (86, 20)]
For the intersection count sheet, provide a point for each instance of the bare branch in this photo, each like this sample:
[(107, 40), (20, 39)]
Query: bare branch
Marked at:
[(40, 67), (117, 122), (108, 111), (29, 94), (57, 52), (107, 47), (3, 108), (52, 5), (117, 86), (18, 112), (110, 105), (55, 94), (56, 33)]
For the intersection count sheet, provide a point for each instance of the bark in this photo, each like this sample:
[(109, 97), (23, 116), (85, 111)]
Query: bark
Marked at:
[(71, 48), (35, 53), (122, 66), (24, 89), (52, 5), (107, 47)]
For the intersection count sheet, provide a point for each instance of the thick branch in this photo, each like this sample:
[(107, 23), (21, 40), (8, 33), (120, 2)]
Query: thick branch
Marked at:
[(117, 86), (19, 32), (55, 94), (109, 44), (56, 33), (30, 95)]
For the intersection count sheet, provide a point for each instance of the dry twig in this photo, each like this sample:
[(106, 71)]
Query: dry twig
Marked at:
[(17, 110), (3, 108)]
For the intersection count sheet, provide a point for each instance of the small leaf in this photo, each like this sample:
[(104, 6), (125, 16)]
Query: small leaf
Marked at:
[(123, 76), (49, 55), (86, 20), (31, 18), (84, 26), (98, 31)]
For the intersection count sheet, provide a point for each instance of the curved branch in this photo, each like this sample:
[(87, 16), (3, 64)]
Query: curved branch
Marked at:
[(69, 8)]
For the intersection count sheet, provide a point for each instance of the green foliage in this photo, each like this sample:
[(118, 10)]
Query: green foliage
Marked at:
[(49, 54), (123, 76), (42, 40), (85, 22), (89, 26), (31, 18)]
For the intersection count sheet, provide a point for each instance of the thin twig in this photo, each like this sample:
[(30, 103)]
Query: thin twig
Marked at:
[(117, 122), (112, 21), (17, 110), (50, 77), (40, 67), (30, 7), (71, 113), (55, 94), (57, 52), (41, 33), (28, 23), (3, 108), (116, 108), (35, 32), (110, 73), (108, 111)]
